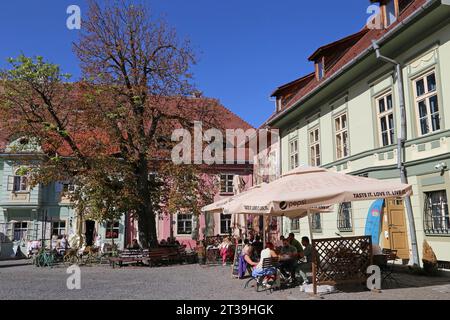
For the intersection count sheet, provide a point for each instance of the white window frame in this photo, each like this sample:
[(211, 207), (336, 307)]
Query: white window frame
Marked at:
[(316, 222), (228, 187), (343, 224), (314, 147), (293, 154), (23, 230), (60, 230), (17, 180), (385, 115), (295, 225), (227, 219), (426, 98), (341, 151), (183, 222), (112, 228)]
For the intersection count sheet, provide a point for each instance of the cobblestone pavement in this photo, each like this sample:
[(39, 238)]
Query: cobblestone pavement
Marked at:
[(19, 280)]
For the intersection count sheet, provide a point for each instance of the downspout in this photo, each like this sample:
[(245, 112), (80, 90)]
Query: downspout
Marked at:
[(401, 150)]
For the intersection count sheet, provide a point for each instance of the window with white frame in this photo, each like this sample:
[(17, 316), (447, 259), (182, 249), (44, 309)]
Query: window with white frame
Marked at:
[(385, 113), (427, 104), (316, 222), (295, 224), (293, 154), (59, 228), (112, 230), (314, 147), (341, 136), (20, 230), (17, 183), (184, 224), (226, 183), (225, 223), (436, 215), (344, 222)]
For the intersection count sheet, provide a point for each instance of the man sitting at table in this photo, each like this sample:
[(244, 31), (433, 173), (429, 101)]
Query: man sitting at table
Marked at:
[(306, 255), (294, 242), (288, 258)]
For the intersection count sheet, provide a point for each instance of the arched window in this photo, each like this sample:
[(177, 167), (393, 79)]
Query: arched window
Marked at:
[(18, 182)]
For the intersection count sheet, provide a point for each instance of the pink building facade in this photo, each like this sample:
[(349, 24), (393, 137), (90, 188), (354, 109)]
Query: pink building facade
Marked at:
[(184, 225)]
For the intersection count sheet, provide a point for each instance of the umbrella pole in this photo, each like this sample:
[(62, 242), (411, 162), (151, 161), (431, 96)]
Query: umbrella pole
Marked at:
[(313, 253)]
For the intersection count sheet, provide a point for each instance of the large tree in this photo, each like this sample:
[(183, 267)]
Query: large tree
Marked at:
[(110, 131)]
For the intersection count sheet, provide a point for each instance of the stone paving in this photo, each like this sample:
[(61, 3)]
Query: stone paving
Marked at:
[(20, 280)]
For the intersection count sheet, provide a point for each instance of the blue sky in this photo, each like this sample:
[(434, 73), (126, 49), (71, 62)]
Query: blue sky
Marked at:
[(245, 48)]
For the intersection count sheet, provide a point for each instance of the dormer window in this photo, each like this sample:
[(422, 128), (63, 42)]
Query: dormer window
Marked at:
[(320, 69), (391, 9), (278, 104), (390, 12)]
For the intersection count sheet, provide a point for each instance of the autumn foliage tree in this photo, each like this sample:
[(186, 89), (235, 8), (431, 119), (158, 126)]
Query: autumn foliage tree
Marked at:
[(111, 130)]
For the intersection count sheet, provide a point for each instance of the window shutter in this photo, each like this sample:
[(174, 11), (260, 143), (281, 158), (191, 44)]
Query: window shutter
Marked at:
[(10, 186)]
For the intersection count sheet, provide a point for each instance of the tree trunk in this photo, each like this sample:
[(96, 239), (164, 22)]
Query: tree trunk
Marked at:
[(145, 213)]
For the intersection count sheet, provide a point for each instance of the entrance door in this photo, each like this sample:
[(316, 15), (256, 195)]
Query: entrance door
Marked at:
[(90, 229), (398, 238)]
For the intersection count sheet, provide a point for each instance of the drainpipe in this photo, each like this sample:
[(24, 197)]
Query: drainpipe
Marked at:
[(401, 150)]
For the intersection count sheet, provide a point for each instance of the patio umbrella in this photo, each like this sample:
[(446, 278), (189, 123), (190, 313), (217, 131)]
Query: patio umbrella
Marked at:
[(313, 189), (238, 220), (220, 204)]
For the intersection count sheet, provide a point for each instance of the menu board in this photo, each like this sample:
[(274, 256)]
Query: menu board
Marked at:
[(235, 265)]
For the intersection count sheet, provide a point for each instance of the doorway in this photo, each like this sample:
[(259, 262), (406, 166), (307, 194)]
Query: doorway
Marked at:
[(90, 230), (395, 236)]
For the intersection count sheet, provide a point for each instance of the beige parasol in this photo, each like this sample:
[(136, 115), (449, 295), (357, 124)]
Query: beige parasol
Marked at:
[(313, 189)]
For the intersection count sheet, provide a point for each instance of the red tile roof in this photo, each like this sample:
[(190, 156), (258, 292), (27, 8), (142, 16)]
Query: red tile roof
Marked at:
[(209, 110), (358, 48)]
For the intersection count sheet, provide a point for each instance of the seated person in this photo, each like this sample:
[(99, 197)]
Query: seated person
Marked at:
[(268, 252), (306, 266), (245, 260), (294, 242), (257, 245), (279, 243), (134, 245), (288, 258)]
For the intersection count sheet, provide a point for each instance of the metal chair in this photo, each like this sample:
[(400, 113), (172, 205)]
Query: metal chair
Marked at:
[(387, 267), (268, 269)]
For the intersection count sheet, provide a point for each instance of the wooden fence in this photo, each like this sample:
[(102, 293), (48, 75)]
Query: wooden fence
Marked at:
[(341, 260)]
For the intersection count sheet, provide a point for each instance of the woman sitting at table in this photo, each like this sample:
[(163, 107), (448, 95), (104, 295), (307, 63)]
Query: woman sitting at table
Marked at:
[(245, 260), (269, 273)]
